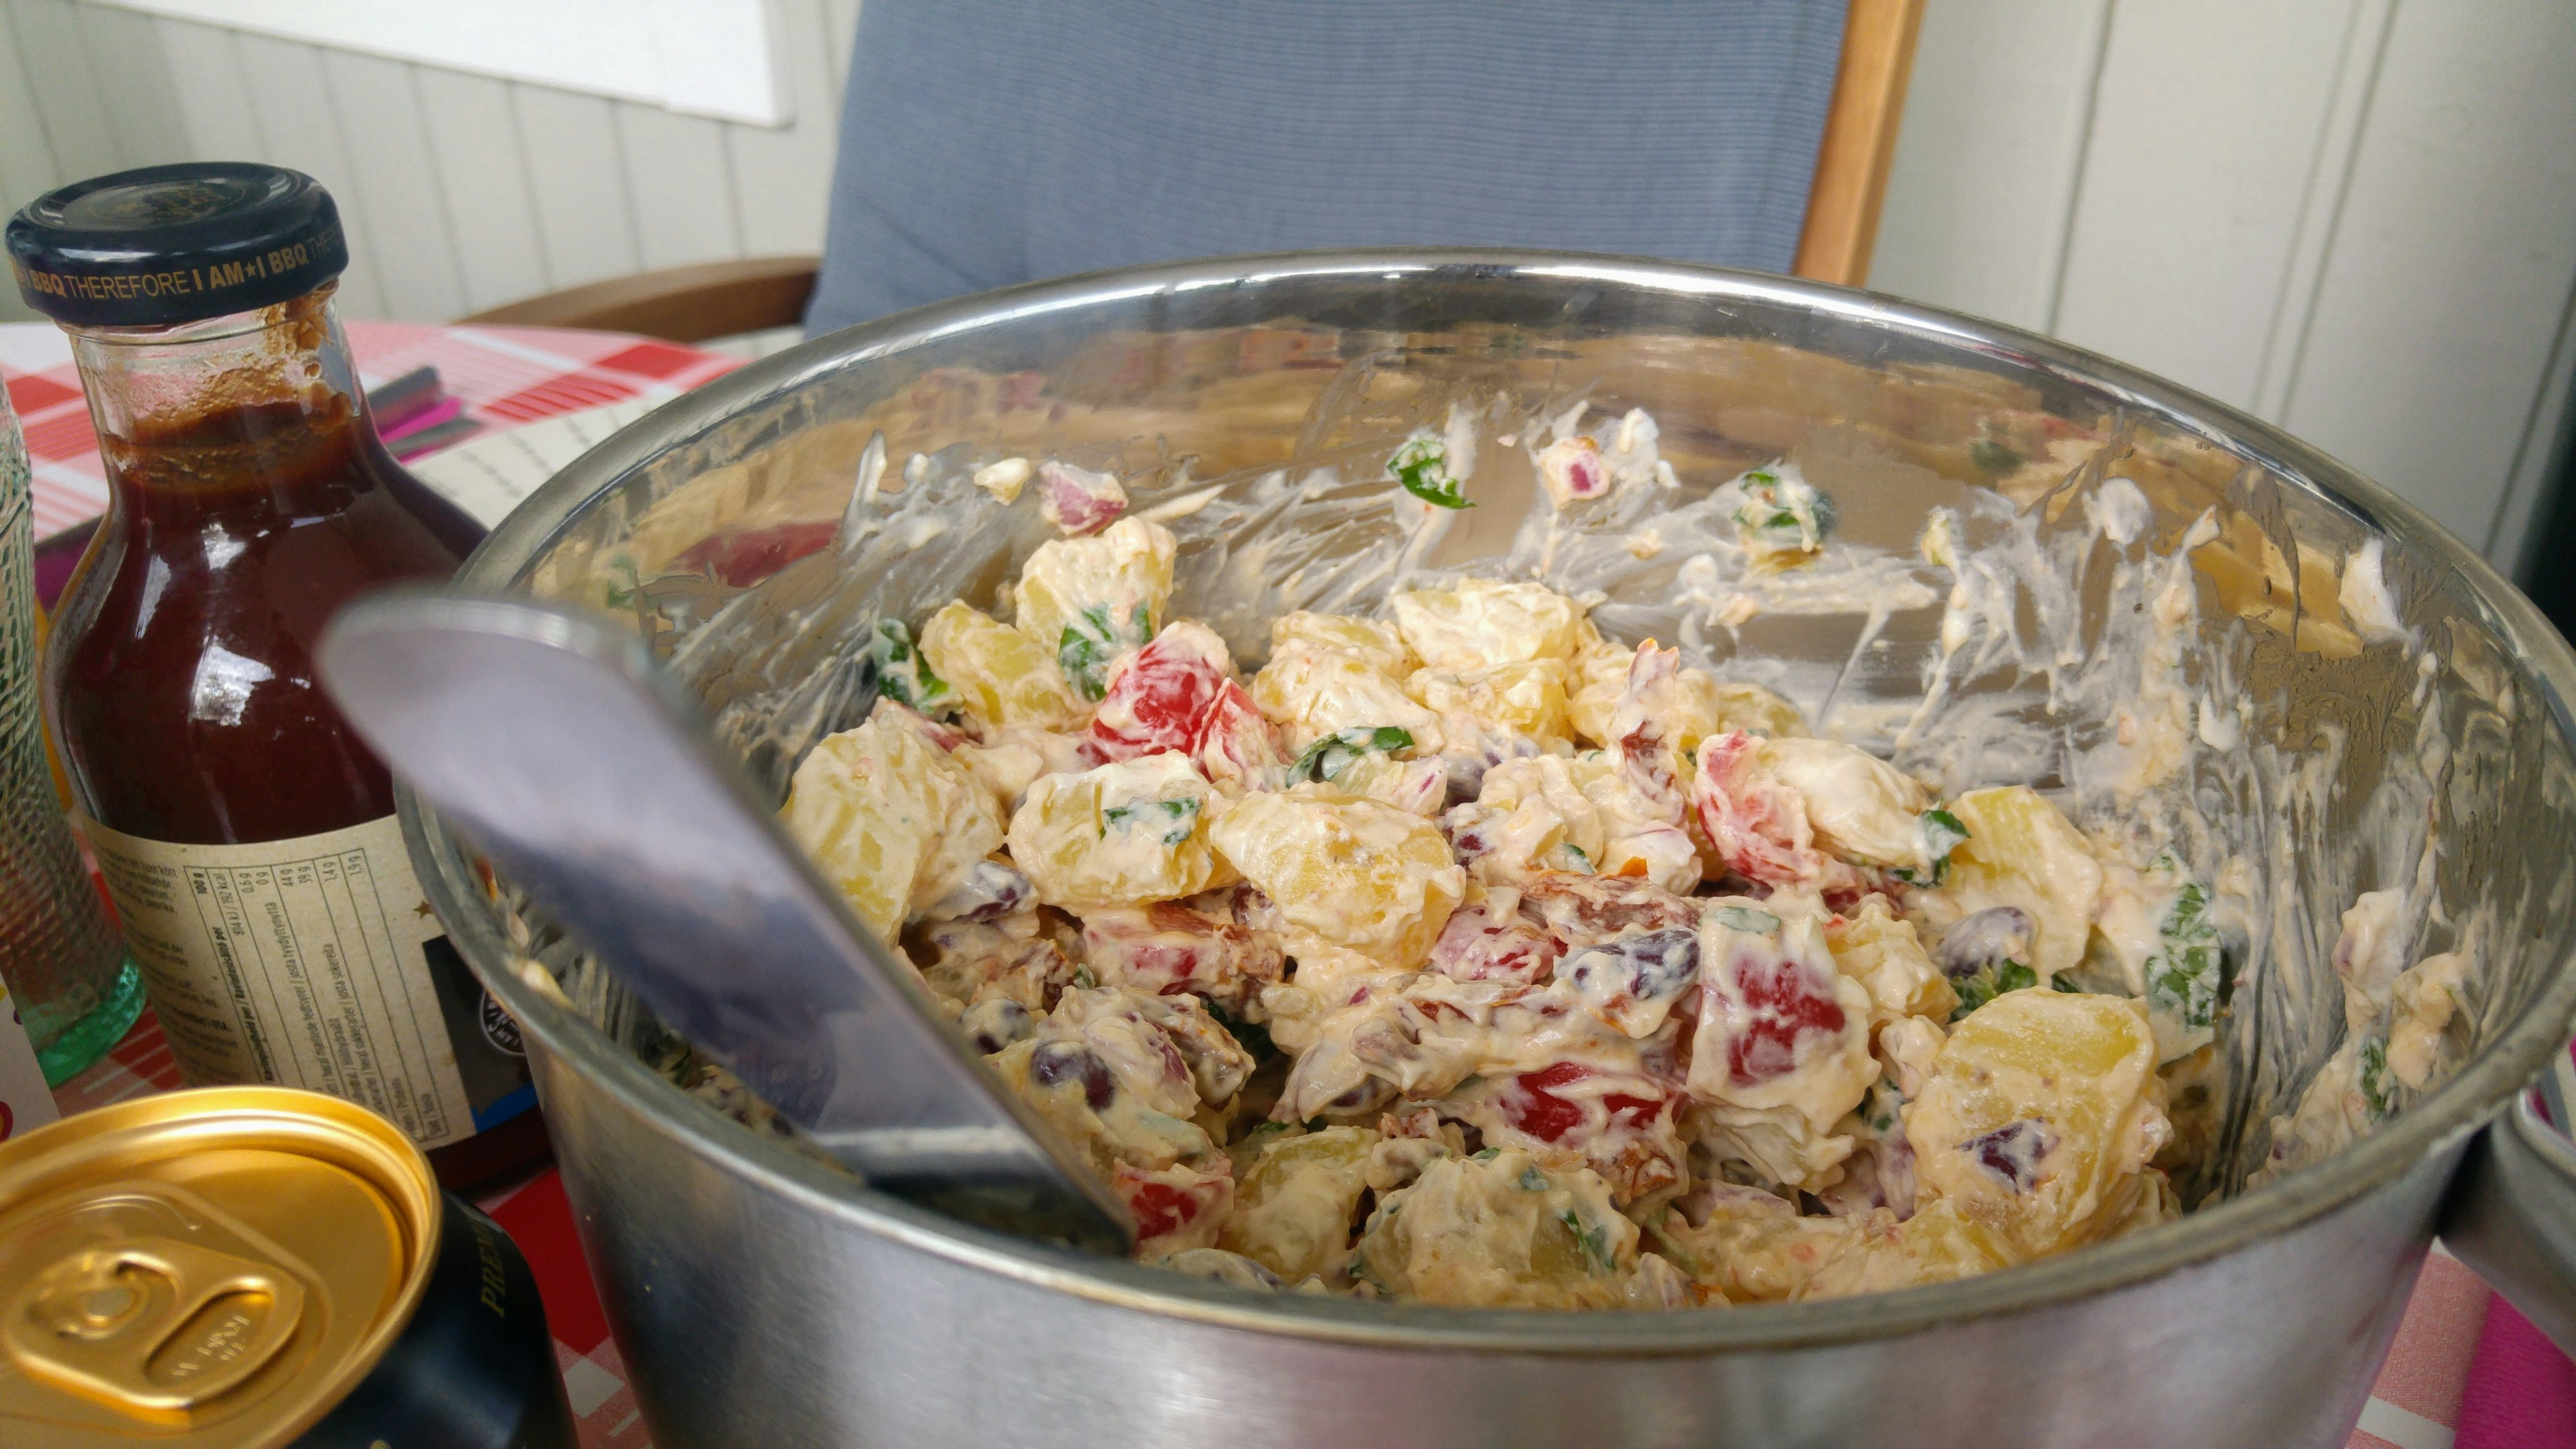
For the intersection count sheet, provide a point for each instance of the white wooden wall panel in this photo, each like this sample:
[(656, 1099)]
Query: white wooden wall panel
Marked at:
[(290, 100), (73, 101), (26, 157), (2352, 215), (840, 23), (674, 165), (585, 219), (2515, 546), (144, 119), (1989, 155), (2206, 127), (782, 178), (211, 90), (2443, 292), (396, 188), (483, 185), (2321, 206), (461, 192)]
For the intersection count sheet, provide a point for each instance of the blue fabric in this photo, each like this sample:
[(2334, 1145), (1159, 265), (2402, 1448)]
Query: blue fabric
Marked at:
[(987, 142)]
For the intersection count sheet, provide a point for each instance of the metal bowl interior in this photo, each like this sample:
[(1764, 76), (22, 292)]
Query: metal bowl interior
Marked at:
[(712, 523)]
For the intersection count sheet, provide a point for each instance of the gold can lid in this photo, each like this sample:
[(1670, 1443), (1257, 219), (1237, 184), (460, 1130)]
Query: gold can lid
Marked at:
[(212, 1267)]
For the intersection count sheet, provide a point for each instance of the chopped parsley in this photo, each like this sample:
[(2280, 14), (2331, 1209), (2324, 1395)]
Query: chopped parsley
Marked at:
[(1752, 920), (1533, 1180), (1784, 513), (2182, 977), (1942, 833), (1328, 757), (1990, 981), (1088, 644), (1594, 1238), (1178, 818), (1421, 465), (1253, 1037), (1488, 1154), (902, 674), (2376, 1088)]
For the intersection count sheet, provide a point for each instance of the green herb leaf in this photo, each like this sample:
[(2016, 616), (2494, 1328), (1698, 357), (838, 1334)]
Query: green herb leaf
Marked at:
[(1421, 465), (2183, 975), (1752, 920), (1177, 817), (1594, 1238), (1328, 757), (902, 674), (1941, 833), (1253, 1037), (1785, 513), (1989, 982), (1489, 1154), (1533, 1180), (2376, 1088), (1993, 457)]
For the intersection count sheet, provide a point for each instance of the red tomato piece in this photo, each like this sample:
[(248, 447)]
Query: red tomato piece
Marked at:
[(1783, 1002), (1158, 696)]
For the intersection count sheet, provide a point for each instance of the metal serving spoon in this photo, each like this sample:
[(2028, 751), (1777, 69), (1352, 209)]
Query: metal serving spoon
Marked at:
[(555, 744)]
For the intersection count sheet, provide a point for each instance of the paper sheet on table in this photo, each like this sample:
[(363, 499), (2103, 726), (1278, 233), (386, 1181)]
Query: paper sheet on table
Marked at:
[(489, 475)]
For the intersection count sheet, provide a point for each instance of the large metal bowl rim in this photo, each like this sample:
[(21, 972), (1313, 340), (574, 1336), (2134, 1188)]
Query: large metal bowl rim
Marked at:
[(2441, 1121)]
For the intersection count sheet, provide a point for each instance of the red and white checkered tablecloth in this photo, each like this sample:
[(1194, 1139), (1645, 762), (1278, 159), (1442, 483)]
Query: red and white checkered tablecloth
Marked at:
[(2466, 1370), (503, 375)]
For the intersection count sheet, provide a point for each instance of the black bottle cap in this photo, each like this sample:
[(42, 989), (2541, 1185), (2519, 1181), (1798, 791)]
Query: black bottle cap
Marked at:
[(171, 244)]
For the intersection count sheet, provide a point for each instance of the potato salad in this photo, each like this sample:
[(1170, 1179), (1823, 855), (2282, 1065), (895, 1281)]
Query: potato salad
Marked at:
[(1458, 953)]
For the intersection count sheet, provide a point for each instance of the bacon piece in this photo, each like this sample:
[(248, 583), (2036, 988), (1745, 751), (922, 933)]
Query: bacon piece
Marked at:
[(1590, 910), (1753, 823), (1488, 939), (1077, 500), (1168, 948), (1621, 1125)]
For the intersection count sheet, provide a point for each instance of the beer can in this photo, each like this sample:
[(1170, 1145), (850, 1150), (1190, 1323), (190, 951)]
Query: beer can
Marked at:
[(253, 1268)]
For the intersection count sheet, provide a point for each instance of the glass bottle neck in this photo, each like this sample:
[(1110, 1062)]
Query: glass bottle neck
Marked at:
[(258, 409)]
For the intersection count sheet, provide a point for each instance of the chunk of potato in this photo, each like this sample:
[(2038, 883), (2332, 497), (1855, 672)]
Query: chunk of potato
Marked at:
[(998, 675), (891, 820), (1293, 1205), (1475, 623), (2021, 851), (1125, 833), (1361, 875), (2041, 1115), (1498, 1231)]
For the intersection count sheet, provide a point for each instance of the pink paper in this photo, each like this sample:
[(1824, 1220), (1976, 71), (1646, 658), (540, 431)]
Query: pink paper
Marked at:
[(2521, 1392)]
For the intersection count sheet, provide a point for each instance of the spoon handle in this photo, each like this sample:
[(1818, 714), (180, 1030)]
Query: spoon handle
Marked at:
[(555, 745)]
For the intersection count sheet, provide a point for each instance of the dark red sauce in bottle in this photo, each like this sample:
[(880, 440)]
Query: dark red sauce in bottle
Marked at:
[(250, 498)]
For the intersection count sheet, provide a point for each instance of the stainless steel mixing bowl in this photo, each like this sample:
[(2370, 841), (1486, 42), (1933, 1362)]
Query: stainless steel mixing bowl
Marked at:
[(759, 1298)]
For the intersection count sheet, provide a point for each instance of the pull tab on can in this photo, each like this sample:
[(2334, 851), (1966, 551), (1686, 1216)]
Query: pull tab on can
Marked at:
[(154, 1327), (214, 1269)]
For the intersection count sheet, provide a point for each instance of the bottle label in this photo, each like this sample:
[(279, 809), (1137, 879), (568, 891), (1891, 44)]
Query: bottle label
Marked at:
[(25, 1103), (303, 963)]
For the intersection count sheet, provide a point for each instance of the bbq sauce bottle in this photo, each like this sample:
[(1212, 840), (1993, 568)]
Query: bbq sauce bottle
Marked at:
[(247, 837)]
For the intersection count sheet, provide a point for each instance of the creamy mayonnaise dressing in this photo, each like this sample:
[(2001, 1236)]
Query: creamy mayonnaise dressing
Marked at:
[(1600, 974)]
